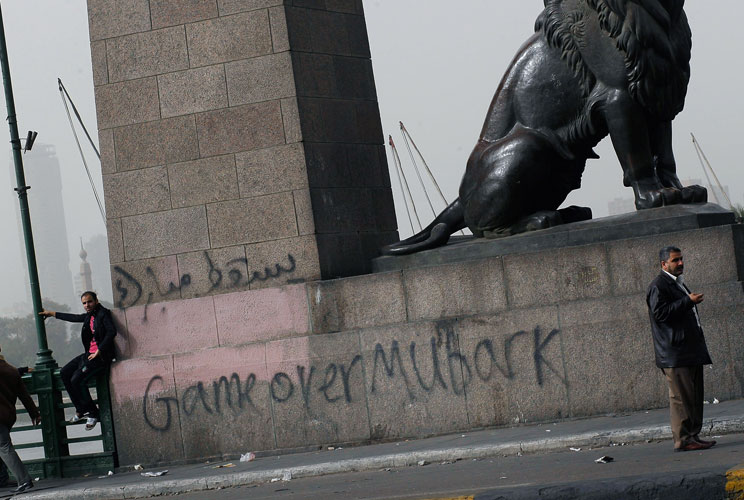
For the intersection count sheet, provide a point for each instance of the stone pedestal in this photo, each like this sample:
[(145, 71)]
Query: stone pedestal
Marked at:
[(241, 144), (529, 336), (618, 227)]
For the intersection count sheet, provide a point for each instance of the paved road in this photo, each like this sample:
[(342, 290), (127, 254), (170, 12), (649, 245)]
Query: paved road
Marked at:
[(645, 471), (637, 465)]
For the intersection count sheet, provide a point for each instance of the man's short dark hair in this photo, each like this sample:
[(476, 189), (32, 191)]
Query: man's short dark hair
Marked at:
[(664, 253), (91, 294)]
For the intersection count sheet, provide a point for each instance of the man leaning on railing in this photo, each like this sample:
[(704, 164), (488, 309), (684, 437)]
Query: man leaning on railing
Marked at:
[(12, 388), (98, 339)]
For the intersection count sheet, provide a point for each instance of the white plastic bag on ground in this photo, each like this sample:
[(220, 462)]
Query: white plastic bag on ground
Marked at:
[(154, 474)]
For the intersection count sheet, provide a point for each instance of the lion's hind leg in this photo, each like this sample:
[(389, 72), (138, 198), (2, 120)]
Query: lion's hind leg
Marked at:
[(517, 183)]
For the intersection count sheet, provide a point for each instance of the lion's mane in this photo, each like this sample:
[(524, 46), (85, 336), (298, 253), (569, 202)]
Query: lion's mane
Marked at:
[(653, 36)]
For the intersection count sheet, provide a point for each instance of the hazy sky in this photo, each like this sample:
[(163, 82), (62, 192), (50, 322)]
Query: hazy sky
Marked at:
[(48, 39), (437, 64)]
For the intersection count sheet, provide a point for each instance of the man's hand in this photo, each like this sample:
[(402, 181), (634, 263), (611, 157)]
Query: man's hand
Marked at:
[(696, 298), (94, 355), (37, 420), (45, 314)]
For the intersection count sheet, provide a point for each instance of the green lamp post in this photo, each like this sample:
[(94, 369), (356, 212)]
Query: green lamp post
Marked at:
[(44, 385)]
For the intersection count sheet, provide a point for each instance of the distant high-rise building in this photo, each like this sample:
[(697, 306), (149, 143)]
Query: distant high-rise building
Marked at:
[(42, 172), (83, 281), (98, 257)]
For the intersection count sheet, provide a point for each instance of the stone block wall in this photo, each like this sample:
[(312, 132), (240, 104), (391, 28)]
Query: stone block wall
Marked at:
[(522, 338), (241, 144)]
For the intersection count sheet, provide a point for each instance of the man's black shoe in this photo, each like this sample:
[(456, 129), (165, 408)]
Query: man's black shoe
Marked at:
[(693, 446), (703, 441), (24, 487)]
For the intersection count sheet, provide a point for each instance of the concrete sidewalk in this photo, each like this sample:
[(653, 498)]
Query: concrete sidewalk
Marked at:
[(723, 418)]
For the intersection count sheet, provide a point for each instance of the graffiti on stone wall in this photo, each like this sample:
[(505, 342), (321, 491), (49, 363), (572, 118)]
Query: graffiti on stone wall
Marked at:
[(129, 290), (229, 394), (451, 370)]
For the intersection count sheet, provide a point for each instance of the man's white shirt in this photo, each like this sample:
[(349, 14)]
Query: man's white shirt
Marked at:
[(681, 283)]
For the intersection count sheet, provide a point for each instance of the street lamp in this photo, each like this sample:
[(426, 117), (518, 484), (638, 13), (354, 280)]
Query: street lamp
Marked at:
[(45, 384), (44, 354)]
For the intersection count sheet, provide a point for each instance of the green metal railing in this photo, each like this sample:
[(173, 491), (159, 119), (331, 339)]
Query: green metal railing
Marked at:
[(57, 461)]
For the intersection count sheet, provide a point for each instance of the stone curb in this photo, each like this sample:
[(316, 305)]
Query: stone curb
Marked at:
[(157, 486)]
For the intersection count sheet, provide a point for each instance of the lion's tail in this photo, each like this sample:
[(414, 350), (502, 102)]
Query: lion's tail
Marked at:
[(436, 234)]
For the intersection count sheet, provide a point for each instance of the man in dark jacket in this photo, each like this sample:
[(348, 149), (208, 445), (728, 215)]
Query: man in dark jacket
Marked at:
[(98, 339), (12, 388), (680, 348)]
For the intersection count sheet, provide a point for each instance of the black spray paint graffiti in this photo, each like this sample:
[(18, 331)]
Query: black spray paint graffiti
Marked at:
[(450, 370), (129, 289), (236, 397)]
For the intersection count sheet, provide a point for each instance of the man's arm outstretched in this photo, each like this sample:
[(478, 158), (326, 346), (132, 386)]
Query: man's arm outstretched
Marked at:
[(72, 318)]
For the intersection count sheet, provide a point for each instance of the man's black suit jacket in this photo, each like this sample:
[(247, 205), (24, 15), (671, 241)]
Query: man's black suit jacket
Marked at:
[(678, 340), (105, 331)]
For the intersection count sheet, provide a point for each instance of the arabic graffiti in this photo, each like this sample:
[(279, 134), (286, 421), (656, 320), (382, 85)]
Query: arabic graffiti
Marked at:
[(130, 290)]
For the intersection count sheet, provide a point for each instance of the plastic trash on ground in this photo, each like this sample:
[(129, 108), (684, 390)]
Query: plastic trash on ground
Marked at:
[(248, 457), (604, 459), (138, 467), (575, 449), (222, 466), (154, 473), (287, 476)]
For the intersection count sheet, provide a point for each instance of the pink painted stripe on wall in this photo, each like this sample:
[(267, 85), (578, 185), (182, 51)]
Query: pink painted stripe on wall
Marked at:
[(209, 365), (171, 327), (259, 315), (129, 379)]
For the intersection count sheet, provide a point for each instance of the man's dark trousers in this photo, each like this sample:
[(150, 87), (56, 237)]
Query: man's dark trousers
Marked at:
[(10, 458), (75, 375)]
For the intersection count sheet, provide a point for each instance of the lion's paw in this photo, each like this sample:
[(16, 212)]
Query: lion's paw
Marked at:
[(694, 194), (653, 198), (539, 220)]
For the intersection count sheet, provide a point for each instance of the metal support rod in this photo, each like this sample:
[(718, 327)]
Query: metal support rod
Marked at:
[(700, 152), (82, 156), (44, 354), (405, 181)]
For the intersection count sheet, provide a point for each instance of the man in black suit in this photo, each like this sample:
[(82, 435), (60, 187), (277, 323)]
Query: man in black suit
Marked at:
[(680, 348)]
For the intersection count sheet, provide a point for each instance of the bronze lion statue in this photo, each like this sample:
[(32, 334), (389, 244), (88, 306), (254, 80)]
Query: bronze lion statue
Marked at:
[(592, 68)]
